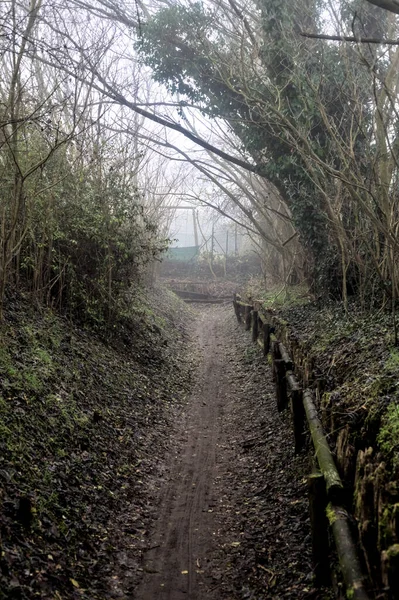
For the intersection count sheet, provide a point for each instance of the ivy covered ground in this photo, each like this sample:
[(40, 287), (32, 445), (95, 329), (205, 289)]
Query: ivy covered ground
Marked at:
[(358, 363), (82, 421), (348, 355), (355, 359)]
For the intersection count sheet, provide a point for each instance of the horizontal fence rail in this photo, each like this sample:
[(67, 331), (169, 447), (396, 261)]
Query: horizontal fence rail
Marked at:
[(326, 491)]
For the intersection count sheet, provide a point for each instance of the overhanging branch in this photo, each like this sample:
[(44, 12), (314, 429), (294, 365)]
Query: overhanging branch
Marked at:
[(391, 5), (348, 38)]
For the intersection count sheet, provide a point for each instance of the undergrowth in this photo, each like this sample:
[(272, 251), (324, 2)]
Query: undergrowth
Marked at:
[(80, 416), (355, 356), (388, 436), (277, 297)]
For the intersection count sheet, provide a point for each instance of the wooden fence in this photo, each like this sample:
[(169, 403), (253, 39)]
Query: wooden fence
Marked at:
[(327, 501)]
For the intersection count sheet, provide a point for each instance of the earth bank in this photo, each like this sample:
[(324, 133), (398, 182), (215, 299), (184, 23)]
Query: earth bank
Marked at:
[(83, 421), (350, 359)]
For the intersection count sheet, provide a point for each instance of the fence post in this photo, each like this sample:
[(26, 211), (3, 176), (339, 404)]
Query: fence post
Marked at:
[(285, 356), (298, 419), (275, 353), (319, 527), (281, 384), (266, 339), (247, 313), (255, 325), (237, 308)]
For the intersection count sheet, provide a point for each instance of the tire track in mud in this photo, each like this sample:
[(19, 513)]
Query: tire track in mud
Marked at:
[(185, 529)]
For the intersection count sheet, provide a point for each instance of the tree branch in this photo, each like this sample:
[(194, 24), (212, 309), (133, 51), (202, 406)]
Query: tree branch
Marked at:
[(346, 38), (391, 5)]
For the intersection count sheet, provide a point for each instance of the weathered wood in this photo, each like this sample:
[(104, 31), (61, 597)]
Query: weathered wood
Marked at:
[(247, 317), (347, 556), (192, 295), (255, 325), (297, 410), (323, 453), (319, 527), (275, 354), (236, 308), (303, 408), (263, 317), (266, 339), (205, 301), (244, 304), (281, 384), (298, 419), (292, 381), (285, 356)]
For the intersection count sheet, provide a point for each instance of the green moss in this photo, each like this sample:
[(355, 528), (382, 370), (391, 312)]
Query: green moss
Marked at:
[(331, 516), (32, 382), (43, 356), (325, 400), (350, 593), (386, 526), (392, 363), (277, 297), (383, 525), (7, 368), (286, 297), (393, 551), (388, 436)]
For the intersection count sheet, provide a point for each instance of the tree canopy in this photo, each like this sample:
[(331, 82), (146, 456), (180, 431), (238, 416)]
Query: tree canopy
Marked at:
[(318, 118)]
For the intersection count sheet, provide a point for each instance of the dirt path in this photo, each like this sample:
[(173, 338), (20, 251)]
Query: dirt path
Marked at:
[(183, 535), (232, 517)]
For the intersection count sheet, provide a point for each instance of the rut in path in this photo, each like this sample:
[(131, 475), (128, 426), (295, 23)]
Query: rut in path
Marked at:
[(209, 479)]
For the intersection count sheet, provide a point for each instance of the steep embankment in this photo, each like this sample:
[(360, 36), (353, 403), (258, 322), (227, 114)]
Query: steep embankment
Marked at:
[(351, 361), (83, 421)]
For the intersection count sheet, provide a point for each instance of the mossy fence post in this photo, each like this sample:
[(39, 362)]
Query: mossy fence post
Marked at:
[(319, 528), (325, 487), (347, 555)]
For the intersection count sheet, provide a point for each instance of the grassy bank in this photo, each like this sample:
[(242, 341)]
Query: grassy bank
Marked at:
[(80, 427)]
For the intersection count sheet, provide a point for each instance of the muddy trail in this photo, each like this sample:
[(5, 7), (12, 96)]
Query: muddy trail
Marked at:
[(232, 517)]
